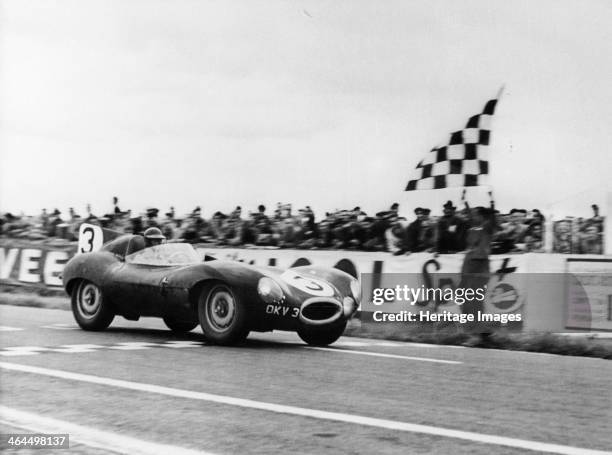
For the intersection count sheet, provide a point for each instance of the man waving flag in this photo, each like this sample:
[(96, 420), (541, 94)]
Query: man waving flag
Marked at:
[(464, 161)]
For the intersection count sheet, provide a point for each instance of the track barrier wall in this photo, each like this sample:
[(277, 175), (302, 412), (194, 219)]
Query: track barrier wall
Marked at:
[(552, 292)]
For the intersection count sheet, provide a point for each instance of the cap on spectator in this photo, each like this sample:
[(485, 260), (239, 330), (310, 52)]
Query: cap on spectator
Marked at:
[(449, 205), (422, 211), (56, 212), (152, 212), (518, 211)]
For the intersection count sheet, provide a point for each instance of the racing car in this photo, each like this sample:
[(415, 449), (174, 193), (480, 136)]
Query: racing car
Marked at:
[(116, 274)]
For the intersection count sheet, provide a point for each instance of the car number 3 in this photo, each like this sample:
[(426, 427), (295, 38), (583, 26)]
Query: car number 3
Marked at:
[(90, 238), (307, 284)]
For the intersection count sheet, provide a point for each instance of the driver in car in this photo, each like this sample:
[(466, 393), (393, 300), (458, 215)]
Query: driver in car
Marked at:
[(153, 236)]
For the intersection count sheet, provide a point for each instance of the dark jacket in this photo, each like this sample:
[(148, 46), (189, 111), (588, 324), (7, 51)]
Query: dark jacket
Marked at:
[(452, 232)]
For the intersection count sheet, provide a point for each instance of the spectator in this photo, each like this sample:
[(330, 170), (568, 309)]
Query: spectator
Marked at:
[(379, 226), (54, 220), (193, 226), (116, 209), (44, 219), (261, 227), (534, 238), (91, 218), (596, 220), (169, 225), (475, 271), (152, 220), (420, 234), (512, 235), (563, 236), (308, 232), (395, 236), (590, 241), (288, 228), (349, 229), (451, 231)]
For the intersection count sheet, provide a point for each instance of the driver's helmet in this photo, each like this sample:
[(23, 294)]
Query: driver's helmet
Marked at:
[(153, 236)]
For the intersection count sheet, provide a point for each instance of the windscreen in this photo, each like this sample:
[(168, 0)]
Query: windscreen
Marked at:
[(165, 254)]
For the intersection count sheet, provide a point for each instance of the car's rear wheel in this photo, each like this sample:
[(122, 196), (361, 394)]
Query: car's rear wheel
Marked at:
[(222, 315), (91, 311), (179, 326), (321, 336)]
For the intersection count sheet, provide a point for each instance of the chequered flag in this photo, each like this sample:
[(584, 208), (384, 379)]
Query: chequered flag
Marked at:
[(464, 161)]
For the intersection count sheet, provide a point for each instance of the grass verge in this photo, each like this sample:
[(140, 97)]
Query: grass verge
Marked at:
[(512, 341), (32, 299)]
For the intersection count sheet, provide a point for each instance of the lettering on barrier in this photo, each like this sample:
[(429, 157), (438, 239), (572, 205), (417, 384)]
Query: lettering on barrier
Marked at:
[(8, 258), (34, 265), (29, 269)]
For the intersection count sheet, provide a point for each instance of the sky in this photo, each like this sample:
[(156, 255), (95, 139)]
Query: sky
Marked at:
[(323, 103)]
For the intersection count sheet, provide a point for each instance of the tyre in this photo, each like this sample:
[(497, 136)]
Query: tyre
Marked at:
[(321, 336), (222, 315), (179, 326), (91, 311)]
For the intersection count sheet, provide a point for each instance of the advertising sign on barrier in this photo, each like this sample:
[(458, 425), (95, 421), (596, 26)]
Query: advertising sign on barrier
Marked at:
[(589, 294), (33, 263)]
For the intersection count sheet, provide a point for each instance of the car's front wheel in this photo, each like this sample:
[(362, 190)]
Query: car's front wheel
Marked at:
[(321, 336), (222, 315), (179, 326), (91, 311)]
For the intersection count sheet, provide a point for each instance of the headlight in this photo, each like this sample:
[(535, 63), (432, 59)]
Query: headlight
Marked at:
[(269, 290), (348, 306), (356, 290)]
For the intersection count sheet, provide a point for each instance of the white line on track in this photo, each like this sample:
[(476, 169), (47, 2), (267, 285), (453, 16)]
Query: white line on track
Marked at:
[(60, 327), (22, 350), (4, 328), (91, 437), (306, 412), (132, 346), (77, 348), (381, 354)]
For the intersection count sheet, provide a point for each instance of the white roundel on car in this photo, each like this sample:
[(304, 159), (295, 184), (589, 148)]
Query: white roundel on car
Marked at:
[(308, 284)]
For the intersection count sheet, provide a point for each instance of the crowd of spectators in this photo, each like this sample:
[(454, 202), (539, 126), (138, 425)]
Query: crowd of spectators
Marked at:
[(579, 235), (519, 230)]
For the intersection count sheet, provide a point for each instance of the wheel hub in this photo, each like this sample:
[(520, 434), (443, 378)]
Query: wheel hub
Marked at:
[(89, 300), (222, 310)]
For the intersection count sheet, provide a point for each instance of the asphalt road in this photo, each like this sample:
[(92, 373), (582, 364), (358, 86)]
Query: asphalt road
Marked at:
[(138, 388)]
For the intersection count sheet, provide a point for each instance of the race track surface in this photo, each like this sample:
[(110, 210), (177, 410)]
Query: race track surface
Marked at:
[(139, 388)]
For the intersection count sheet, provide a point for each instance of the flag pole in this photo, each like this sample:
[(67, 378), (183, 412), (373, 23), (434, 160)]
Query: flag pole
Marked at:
[(500, 91)]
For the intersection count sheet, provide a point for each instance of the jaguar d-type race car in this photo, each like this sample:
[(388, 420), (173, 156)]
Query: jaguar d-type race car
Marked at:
[(228, 299)]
